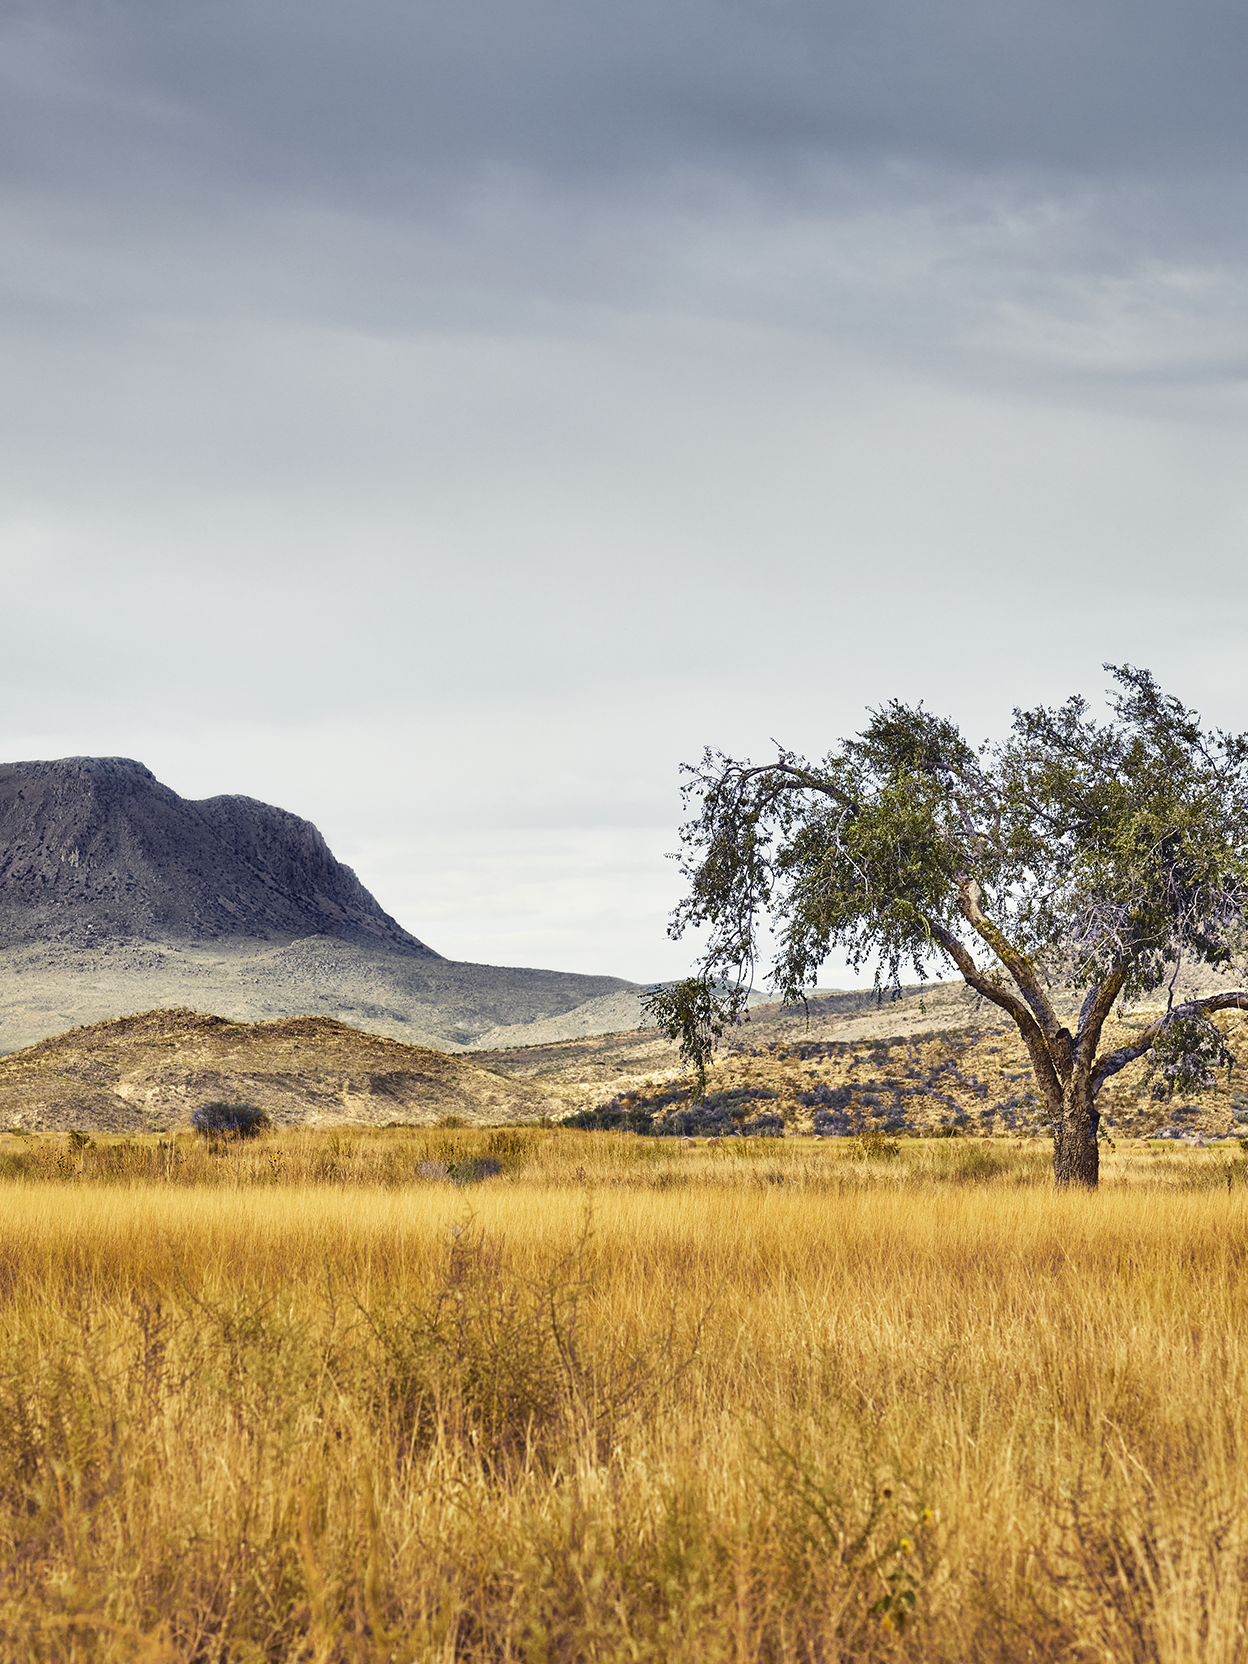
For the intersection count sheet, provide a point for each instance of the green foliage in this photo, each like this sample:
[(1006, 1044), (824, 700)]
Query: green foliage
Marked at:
[(694, 1013), (1185, 1054)]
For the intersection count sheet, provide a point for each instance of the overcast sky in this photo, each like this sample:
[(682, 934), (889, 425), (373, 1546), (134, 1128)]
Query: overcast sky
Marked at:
[(442, 419)]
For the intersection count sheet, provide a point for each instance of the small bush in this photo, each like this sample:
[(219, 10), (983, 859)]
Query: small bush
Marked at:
[(873, 1146), (978, 1162), (611, 1118), (472, 1172), (762, 1126), (229, 1120), (460, 1170)]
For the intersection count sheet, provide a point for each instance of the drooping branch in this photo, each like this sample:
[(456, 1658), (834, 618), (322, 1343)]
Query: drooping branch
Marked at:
[(692, 1013), (797, 776), (1235, 999)]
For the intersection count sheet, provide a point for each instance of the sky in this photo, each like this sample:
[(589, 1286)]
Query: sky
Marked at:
[(443, 419)]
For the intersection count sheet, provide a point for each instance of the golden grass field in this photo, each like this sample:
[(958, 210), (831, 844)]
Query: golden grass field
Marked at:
[(625, 1400)]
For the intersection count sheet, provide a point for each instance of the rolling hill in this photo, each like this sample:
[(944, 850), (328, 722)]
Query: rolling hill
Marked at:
[(147, 1073)]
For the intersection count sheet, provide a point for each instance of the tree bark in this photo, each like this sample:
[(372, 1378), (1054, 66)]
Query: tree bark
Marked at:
[(1076, 1158)]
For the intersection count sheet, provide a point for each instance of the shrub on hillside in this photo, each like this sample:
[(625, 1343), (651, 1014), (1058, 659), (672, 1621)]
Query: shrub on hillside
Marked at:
[(611, 1118), (724, 1114), (229, 1120), (762, 1126)]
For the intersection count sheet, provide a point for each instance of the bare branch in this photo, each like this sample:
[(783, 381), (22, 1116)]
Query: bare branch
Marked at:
[(1096, 1008), (800, 776), (1033, 1035)]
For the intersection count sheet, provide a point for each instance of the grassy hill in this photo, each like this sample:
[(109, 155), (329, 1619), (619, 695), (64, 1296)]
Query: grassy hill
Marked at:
[(141, 1073)]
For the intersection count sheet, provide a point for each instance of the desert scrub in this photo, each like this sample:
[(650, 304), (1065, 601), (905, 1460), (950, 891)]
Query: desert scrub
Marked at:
[(222, 1120), (513, 1365)]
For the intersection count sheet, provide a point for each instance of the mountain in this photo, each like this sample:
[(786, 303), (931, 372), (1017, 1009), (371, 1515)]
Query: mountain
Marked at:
[(96, 847), (117, 895)]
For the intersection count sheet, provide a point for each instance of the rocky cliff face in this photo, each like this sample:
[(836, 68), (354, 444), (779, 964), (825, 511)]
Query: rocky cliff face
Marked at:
[(93, 848)]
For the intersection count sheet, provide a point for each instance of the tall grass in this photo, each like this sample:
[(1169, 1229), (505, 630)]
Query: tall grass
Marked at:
[(531, 1155), (544, 1419)]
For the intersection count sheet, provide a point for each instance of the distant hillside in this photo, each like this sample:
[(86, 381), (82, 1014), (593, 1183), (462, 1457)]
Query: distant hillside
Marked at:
[(932, 1060), (141, 1073), (118, 895), (424, 1000)]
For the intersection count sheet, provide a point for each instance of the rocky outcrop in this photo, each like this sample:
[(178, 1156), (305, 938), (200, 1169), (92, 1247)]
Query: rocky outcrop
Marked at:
[(95, 848)]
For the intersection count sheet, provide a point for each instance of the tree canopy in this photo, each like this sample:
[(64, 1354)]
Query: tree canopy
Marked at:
[(1099, 855)]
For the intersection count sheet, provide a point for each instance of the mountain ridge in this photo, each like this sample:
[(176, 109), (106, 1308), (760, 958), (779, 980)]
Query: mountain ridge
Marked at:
[(93, 848), (118, 895)]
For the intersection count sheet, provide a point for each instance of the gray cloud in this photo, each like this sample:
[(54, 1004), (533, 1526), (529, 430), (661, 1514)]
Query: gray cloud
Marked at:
[(373, 100)]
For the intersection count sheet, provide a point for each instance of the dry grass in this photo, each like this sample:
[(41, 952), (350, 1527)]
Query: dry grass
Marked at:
[(553, 1157), (623, 1402)]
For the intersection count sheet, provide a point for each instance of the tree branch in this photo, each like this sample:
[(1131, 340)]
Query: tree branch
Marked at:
[(801, 777), (972, 974), (1019, 966), (1032, 1033), (1234, 999), (1096, 1007)]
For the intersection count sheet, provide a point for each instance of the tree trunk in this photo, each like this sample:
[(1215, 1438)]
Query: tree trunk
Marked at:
[(1076, 1159)]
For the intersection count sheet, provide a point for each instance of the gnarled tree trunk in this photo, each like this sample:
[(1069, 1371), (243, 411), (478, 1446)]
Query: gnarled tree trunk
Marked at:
[(1076, 1158)]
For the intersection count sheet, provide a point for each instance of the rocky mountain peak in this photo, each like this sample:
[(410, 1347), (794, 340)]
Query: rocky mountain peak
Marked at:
[(97, 847)]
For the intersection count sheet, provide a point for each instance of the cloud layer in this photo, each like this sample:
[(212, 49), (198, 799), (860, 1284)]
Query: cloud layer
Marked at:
[(440, 420)]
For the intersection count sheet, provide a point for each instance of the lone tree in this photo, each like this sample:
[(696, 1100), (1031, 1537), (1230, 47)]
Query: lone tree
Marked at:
[(1102, 856)]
